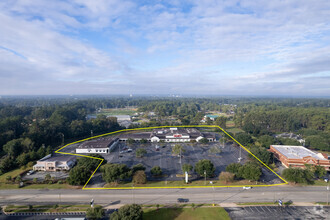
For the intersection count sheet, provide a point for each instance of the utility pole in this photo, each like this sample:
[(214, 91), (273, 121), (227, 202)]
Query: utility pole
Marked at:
[(205, 177), (328, 189), (180, 155), (91, 133)]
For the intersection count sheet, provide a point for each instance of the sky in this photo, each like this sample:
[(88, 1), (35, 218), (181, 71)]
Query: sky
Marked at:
[(72, 47)]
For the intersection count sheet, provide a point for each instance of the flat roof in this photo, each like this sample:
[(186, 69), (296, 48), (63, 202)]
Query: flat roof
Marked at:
[(142, 135), (97, 143), (58, 157), (297, 152)]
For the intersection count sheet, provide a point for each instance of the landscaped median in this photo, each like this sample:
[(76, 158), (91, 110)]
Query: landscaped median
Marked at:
[(181, 183), (44, 208)]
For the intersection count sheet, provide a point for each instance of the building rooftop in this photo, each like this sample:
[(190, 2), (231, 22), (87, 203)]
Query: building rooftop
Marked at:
[(142, 135), (97, 143), (297, 152), (57, 157)]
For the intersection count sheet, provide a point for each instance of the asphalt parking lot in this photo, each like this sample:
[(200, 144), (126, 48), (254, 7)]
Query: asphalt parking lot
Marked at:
[(274, 212), (40, 175), (170, 164)]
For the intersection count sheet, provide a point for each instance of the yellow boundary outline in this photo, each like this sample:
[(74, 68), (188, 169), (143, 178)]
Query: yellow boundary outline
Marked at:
[(167, 187)]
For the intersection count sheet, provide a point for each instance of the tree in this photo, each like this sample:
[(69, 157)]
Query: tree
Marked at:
[(8, 178), (143, 141), (131, 212), (298, 175), (138, 167), (139, 177), (234, 168), (266, 140), (221, 121), (13, 147), (6, 164), (95, 213), (130, 141), (250, 172), (319, 171), (78, 175), (203, 141), (262, 154), (178, 149), (187, 167), (47, 177), (90, 163), (204, 166), (226, 177), (317, 142), (156, 171), (18, 179), (244, 138), (115, 172), (140, 152), (208, 121)]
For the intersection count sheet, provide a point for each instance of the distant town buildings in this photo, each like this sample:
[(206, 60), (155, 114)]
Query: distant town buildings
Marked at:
[(291, 136), (298, 156), (99, 146), (57, 162), (211, 117), (169, 135)]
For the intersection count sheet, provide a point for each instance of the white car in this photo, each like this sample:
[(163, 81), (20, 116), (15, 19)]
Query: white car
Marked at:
[(129, 150), (30, 172), (247, 187)]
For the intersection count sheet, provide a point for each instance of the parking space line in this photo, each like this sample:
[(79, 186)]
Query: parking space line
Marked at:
[(256, 207)]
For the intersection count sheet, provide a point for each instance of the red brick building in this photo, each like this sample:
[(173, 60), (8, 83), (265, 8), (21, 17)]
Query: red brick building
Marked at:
[(298, 156)]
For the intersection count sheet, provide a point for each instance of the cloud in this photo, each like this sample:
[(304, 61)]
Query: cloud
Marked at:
[(204, 47)]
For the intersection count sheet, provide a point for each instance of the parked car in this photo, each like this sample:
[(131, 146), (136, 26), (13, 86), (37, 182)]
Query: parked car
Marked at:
[(326, 179), (247, 187), (129, 150), (30, 172)]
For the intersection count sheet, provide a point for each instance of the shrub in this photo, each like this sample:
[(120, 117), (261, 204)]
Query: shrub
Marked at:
[(131, 212), (141, 152), (226, 177), (156, 171), (139, 177)]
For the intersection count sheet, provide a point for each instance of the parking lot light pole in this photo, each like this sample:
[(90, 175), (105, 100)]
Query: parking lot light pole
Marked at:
[(205, 177)]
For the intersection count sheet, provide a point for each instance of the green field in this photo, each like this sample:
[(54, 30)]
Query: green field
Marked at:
[(185, 213)]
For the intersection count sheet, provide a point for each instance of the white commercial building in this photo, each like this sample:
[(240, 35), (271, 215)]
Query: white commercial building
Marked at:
[(98, 146)]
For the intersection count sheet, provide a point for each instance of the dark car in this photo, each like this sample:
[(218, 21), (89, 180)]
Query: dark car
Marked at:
[(181, 200)]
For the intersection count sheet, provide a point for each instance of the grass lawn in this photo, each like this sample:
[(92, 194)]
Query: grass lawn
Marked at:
[(230, 124), (179, 184), (13, 174), (234, 130), (38, 186), (316, 183), (185, 213), (46, 208)]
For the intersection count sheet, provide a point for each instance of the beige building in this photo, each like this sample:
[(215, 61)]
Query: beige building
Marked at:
[(57, 162)]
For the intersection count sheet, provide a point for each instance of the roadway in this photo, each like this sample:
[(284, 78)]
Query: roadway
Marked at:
[(165, 196)]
